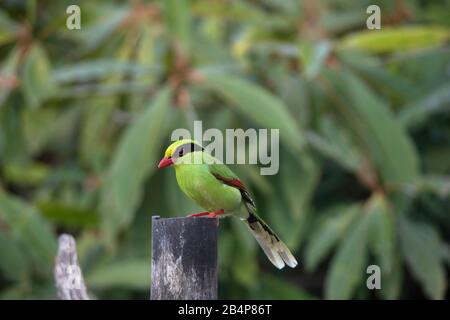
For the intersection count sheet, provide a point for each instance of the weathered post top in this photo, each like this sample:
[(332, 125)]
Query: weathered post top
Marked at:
[(184, 259), (68, 276)]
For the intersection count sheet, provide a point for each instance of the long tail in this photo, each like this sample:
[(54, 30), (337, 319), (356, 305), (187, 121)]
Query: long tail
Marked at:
[(277, 252)]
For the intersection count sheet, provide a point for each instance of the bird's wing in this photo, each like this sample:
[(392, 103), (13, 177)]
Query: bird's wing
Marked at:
[(275, 249), (225, 175), (277, 252)]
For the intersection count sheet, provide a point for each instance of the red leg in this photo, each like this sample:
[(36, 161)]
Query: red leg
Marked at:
[(213, 214), (216, 213), (201, 214)]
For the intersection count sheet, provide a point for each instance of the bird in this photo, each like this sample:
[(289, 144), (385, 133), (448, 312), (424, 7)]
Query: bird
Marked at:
[(216, 188)]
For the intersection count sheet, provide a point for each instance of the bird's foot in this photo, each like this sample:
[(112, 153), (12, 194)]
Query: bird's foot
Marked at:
[(216, 213), (201, 214), (213, 214)]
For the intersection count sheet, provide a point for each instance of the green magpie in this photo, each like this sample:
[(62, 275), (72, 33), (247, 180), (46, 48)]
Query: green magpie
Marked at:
[(217, 189)]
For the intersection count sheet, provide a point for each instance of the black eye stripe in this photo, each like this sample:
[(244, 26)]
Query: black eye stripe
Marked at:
[(186, 148)]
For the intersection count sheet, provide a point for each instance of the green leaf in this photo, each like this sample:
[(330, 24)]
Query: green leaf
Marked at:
[(328, 233), (348, 266), (383, 245), (13, 262), (245, 261), (294, 90), (277, 288), (31, 11), (445, 252), (421, 248), (96, 134), (417, 112), (259, 105), (382, 236), (71, 216), (296, 192), (377, 73), (239, 11), (105, 27), (339, 21), (177, 14), (8, 70), (436, 184), (334, 142), (99, 69), (299, 188), (26, 175), (133, 274), (391, 284), (146, 56), (397, 39), (36, 81), (28, 225), (9, 29), (313, 57), (102, 89), (12, 142), (49, 128), (376, 127), (134, 160)]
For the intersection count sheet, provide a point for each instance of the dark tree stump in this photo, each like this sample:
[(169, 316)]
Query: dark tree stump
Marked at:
[(184, 259)]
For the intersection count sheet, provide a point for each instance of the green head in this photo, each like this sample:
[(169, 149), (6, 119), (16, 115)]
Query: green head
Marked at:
[(177, 150)]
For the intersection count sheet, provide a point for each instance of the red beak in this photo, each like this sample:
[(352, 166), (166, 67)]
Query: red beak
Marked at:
[(165, 162)]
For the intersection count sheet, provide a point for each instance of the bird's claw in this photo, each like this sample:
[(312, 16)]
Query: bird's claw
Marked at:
[(214, 215), (201, 214)]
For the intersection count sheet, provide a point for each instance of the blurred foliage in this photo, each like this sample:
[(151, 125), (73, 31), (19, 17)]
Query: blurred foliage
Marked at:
[(365, 139)]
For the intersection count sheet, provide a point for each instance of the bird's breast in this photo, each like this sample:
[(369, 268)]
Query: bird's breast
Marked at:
[(203, 188)]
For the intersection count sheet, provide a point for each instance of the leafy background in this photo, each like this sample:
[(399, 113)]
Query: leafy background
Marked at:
[(364, 123)]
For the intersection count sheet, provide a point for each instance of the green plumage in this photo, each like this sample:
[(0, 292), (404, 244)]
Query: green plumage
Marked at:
[(213, 186), (197, 182)]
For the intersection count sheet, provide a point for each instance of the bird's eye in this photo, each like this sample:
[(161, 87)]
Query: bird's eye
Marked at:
[(181, 153)]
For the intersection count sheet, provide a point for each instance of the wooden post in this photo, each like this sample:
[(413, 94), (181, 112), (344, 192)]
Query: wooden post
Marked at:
[(184, 259), (68, 276)]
